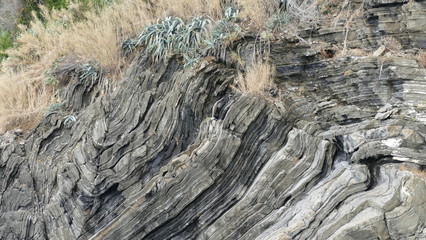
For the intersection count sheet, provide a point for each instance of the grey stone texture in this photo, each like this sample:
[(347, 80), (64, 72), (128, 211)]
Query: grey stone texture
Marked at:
[(174, 153), (9, 11)]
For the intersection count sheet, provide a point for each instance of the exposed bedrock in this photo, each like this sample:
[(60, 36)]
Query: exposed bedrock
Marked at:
[(175, 153)]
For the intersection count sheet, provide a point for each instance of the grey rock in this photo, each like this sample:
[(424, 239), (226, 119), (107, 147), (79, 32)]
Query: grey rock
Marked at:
[(9, 11), (174, 153), (380, 51)]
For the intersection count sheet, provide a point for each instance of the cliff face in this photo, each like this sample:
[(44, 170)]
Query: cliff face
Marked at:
[(174, 153)]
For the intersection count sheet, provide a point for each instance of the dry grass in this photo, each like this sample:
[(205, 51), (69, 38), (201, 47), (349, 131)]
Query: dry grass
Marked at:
[(187, 9), (421, 58), (391, 44), (257, 12), (257, 80), (98, 37), (355, 52), (23, 99), (415, 171)]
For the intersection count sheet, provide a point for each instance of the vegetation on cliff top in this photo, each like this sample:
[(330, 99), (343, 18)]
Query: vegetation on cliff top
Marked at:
[(62, 28), (104, 32)]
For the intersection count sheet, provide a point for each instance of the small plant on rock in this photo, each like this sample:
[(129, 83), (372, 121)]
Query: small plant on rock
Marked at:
[(392, 44), (88, 72), (257, 79), (225, 31), (69, 119), (128, 46)]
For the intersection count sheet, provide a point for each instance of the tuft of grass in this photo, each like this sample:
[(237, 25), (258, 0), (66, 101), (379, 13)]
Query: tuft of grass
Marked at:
[(391, 44), (187, 9), (257, 80), (23, 99), (421, 58)]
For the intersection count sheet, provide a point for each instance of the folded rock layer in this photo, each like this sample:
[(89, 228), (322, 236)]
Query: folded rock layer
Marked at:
[(175, 153)]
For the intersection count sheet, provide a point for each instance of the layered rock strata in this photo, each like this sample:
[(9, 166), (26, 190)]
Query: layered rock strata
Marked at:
[(175, 153)]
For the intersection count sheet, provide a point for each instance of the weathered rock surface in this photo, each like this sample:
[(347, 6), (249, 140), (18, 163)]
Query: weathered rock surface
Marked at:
[(174, 153), (9, 11)]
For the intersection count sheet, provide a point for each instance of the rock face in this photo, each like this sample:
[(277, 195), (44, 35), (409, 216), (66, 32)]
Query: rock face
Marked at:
[(174, 153), (9, 10)]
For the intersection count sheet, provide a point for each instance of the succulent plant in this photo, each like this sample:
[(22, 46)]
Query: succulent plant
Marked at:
[(127, 46), (88, 72), (223, 32), (68, 119), (172, 36), (160, 39)]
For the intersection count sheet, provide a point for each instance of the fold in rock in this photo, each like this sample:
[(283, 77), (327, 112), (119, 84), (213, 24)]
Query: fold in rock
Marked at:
[(175, 153)]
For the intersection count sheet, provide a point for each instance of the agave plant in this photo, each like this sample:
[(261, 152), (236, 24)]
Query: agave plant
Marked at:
[(191, 39), (127, 46), (224, 30), (231, 13), (159, 39), (195, 32), (222, 33), (88, 72), (69, 119), (172, 36)]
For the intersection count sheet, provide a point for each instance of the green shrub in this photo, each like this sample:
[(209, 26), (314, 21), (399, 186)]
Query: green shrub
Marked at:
[(56, 4), (5, 43)]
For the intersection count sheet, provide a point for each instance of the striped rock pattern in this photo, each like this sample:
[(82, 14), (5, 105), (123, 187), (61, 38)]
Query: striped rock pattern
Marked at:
[(174, 153)]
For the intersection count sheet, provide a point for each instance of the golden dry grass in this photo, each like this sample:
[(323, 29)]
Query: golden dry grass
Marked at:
[(415, 171), (187, 9), (97, 38), (421, 58), (257, 80), (391, 44), (23, 98), (257, 12)]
